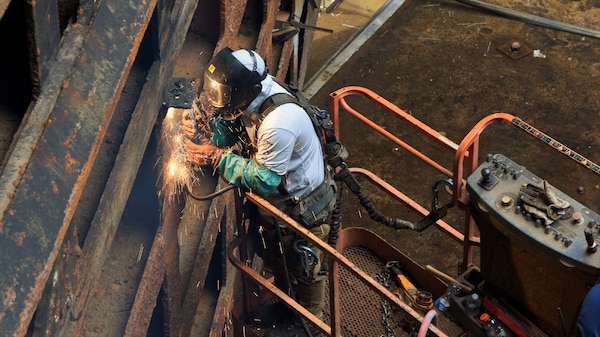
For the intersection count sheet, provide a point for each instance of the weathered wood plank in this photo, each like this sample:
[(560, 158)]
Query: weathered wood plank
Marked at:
[(264, 44), (37, 216), (312, 14)]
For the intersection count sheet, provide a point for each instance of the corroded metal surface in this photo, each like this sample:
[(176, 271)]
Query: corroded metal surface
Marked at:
[(45, 39), (264, 44), (58, 145), (232, 13), (40, 210)]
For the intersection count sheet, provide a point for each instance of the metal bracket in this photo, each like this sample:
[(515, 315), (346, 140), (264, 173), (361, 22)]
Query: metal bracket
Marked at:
[(515, 49), (182, 92)]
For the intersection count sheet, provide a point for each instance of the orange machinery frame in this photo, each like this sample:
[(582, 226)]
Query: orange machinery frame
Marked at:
[(465, 156)]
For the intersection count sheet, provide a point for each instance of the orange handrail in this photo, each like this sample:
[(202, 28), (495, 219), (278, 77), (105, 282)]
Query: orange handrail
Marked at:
[(337, 101), (467, 150), (336, 259)]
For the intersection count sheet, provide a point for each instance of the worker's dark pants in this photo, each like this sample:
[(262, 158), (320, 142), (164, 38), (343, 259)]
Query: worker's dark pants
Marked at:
[(310, 292)]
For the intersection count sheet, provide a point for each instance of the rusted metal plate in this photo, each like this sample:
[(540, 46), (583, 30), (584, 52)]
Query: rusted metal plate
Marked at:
[(312, 14), (31, 131), (515, 49), (126, 165), (264, 44), (45, 39), (284, 60), (221, 207), (40, 210), (232, 13), (152, 279)]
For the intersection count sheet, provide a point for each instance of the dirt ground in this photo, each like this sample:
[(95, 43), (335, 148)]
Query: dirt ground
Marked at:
[(440, 61)]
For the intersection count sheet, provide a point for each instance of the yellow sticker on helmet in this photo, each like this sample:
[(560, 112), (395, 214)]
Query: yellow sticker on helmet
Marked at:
[(211, 68)]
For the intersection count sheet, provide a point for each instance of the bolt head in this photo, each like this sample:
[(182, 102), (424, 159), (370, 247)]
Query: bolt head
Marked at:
[(515, 46)]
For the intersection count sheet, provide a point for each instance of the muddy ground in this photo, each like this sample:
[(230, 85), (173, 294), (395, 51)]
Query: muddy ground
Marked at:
[(439, 61)]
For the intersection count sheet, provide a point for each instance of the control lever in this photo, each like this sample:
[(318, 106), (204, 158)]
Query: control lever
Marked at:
[(488, 180), (589, 237)]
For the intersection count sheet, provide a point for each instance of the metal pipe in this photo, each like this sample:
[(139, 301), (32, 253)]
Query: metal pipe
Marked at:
[(532, 19)]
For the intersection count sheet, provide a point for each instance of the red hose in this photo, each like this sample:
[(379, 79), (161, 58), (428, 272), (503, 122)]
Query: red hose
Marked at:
[(431, 314)]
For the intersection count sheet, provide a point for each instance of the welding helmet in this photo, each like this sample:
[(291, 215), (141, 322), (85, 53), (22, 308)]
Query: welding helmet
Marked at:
[(232, 81)]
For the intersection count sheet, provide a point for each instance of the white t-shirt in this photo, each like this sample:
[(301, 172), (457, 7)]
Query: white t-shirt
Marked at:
[(288, 145)]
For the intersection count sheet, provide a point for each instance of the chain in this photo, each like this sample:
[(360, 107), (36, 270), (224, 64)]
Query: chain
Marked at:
[(385, 279), (387, 311)]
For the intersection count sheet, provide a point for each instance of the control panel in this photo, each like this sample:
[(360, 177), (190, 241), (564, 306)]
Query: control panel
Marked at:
[(523, 206)]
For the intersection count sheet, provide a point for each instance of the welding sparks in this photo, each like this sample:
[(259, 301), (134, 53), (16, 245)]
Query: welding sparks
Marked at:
[(172, 169), (176, 170)]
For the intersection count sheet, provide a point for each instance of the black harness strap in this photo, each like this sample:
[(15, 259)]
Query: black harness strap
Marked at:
[(318, 198)]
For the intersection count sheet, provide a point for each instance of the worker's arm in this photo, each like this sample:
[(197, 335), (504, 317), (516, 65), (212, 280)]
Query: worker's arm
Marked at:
[(249, 174), (237, 170)]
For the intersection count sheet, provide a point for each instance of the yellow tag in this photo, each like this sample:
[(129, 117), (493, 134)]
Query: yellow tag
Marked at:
[(211, 68)]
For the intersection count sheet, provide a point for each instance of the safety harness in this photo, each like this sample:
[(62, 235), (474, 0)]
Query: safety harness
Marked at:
[(335, 155), (315, 208)]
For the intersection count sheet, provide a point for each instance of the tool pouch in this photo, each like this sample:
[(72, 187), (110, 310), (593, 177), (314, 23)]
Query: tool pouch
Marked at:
[(316, 208)]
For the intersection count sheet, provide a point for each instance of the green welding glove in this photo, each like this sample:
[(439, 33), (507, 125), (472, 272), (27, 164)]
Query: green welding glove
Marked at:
[(249, 174), (225, 133)]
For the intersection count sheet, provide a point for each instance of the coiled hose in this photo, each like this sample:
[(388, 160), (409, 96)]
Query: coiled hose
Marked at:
[(346, 176), (336, 219)]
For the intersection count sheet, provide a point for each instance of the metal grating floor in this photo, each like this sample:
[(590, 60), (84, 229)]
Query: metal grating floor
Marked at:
[(363, 309)]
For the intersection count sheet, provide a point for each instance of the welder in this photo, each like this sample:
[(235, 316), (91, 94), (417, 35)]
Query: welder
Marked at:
[(273, 151)]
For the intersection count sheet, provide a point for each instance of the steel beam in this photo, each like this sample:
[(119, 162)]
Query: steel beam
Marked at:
[(44, 38), (39, 209)]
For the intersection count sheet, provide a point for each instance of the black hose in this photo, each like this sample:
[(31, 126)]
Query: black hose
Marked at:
[(346, 176), (208, 196), (532, 19), (336, 219), (334, 227), (376, 215)]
